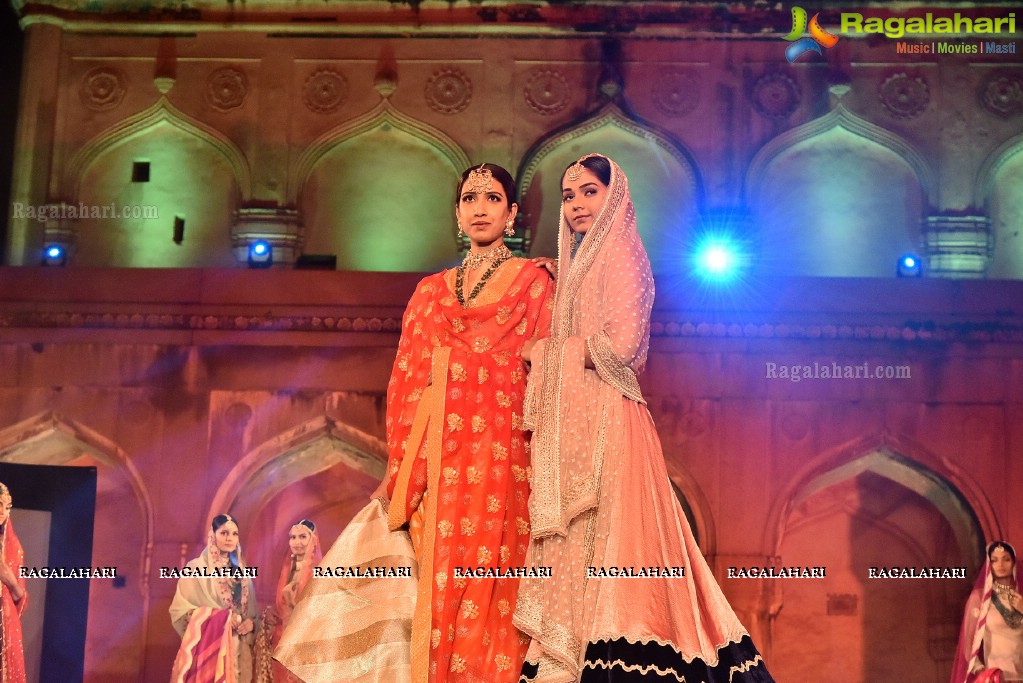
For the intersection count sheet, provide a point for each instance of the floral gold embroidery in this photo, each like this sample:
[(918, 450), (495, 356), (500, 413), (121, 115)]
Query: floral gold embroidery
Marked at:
[(493, 504), (515, 375), (482, 375), (516, 421), (469, 611), (518, 473), (505, 552), (522, 526), (483, 555), (457, 325), (481, 345), (503, 399), (450, 476), (500, 451), (521, 327), (415, 395), (468, 527), (417, 330), (503, 606), (457, 372), (435, 638), (486, 638), (478, 424), (473, 475), (451, 632), (441, 578), (446, 528), (459, 582), (457, 663), (474, 448), (455, 423), (503, 662), (503, 315)]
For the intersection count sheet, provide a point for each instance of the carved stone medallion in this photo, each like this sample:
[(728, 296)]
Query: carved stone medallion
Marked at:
[(226, 89), (325, 91), (102, 88), (775, 95), (905, 96), (547, 91), (449, 91), (675, 93)]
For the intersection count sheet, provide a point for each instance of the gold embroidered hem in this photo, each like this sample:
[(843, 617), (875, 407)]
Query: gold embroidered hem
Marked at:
[(357, 630)]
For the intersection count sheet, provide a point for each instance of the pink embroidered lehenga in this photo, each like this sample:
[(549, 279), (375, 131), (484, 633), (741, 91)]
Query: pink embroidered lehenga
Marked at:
[(601, 495)]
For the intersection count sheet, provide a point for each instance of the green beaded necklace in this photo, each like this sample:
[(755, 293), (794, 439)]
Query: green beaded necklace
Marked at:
[(460, 281)]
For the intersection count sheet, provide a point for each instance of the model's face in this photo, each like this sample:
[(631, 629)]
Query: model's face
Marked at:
[(1001, 563), (226, 537), (298, 540), (483, 215), (582, 200), (5, 508)]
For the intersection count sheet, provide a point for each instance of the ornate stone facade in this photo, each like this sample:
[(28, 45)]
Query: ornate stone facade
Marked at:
[(197, 386)]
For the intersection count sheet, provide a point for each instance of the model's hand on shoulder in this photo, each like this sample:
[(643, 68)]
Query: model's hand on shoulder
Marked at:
[(550, 264)]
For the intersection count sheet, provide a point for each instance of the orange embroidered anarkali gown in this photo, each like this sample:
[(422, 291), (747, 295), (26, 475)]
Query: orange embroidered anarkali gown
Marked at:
[(459, 465)]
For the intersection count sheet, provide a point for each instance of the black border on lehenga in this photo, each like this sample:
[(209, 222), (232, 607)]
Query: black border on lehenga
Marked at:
[(612, 657)]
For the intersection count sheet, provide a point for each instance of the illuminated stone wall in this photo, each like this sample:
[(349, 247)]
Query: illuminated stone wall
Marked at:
[(333, 128)]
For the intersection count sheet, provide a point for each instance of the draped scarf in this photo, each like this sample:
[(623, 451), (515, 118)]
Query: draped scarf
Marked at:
[(566, 479), (969, 657)]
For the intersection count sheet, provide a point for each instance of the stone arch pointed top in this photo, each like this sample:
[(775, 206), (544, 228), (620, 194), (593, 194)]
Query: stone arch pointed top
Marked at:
[(950, 489), (161, 111), (614, 115), (989, 168), (839, 117), (384, 114)]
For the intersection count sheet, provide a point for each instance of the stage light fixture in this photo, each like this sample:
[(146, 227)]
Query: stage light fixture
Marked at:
[(261, 254), (54, 255), (910, 265), (718, 259)]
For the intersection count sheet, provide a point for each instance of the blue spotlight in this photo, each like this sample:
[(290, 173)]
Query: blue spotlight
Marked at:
[(910, 265), (54, 255), (718, 259), (261, 254)]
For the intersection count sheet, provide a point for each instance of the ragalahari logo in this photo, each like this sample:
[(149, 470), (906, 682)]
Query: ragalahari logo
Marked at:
[(817, 39)]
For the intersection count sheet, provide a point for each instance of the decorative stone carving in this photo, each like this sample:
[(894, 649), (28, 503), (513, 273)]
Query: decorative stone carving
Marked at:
[(325, 91), (675, 93), (547, 91), (905, 96), (775, 95), (226, 89), (449, 91), (1002, 95), (102, 88)]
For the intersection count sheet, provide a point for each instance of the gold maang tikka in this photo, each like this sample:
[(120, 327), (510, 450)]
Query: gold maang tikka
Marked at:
[(576, 170), (480, 180)]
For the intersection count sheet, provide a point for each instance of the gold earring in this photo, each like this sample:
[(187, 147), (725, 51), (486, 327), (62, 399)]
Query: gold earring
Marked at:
[(508, 229), (460, 231)]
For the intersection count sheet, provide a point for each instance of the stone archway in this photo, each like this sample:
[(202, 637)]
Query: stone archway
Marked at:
[(837, 197), (379, 193), (123, 511), (322, 470), (871, 505)]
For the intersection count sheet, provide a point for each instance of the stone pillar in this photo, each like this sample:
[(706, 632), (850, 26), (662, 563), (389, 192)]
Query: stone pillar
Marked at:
[(957, 246), (279, 226), (34, 142)]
